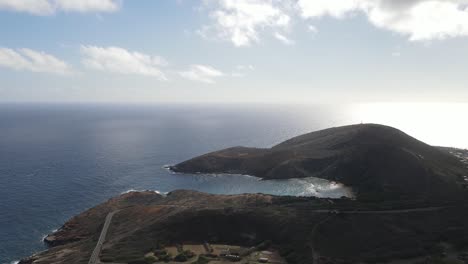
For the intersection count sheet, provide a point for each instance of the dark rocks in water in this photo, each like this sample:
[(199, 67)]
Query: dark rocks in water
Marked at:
[(379, 162)]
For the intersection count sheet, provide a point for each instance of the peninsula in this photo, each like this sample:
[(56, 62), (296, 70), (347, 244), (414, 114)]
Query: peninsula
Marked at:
[(378, 162)]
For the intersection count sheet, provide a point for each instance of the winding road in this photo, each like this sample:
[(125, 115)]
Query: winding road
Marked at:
[(97, 250)]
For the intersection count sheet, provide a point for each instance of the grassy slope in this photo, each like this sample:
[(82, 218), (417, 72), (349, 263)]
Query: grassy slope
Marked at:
[(289, 222)]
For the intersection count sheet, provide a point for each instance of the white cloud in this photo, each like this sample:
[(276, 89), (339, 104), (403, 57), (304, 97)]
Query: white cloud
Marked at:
[(119, 60), (312, 29), (245, 67), (88, 5), (49, 7), (283, 39), (241, 70), (31, 60), (238, 74), (334, 8), (201, 73), (241, 21), (38, 7), (420, 20), (424, 20)]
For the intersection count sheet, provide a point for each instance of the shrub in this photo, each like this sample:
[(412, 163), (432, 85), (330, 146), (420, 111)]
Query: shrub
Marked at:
[(201, 260), (150, 259), (184, 256), (189, 254), (165, 258), (138, 261), (160, 252), (181, 257)]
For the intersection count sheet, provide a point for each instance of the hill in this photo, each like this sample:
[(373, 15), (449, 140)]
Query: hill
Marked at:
[(301, 229), (378, 162)]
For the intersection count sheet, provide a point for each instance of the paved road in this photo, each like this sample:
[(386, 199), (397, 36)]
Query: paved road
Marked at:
[(97, 250)]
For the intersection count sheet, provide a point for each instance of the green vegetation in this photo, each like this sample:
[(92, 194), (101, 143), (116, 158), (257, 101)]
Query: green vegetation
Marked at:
[(201, 260), (163, 255), (184, 256), (151, 259)]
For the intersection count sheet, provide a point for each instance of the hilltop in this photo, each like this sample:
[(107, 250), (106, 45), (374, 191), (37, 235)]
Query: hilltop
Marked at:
[(378, 162)]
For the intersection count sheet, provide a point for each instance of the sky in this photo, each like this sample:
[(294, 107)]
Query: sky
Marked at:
[(306, 51)]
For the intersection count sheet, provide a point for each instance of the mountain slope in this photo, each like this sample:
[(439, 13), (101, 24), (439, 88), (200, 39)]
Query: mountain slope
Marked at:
[(302, 229), (379, 162)]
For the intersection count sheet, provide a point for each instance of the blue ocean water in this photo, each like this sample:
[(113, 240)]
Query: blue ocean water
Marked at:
[(58, 160)]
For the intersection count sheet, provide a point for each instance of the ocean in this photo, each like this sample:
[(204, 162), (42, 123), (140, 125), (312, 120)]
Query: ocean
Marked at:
[(57, 160)]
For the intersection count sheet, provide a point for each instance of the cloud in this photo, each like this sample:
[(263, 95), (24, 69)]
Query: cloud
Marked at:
[(119, 60), (37, 7), (241, 70), (201, 73), (283, 39), (312, 29), (245, 67), (241, 21), (320, 8), (31, 60), (88, 5), (420, 20), (49, 7)]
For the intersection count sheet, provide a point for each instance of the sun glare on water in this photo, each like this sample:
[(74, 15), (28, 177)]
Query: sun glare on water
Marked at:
[(438, 124)]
